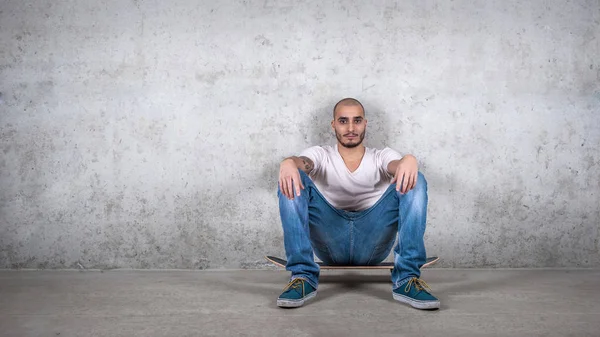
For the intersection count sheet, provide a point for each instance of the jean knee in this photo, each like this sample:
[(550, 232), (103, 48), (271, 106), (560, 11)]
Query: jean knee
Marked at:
[(419, 192)]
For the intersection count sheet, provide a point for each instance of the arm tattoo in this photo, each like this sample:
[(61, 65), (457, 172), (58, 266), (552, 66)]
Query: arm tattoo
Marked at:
[(308, 164), (306, 167)]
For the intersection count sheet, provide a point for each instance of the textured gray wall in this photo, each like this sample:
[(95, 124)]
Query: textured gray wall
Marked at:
[(147, 134)]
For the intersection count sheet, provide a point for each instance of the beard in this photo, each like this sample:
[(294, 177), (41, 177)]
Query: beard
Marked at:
[(350, 144)]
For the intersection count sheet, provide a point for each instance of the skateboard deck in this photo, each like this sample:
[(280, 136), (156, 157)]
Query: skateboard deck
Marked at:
[(384, 265)]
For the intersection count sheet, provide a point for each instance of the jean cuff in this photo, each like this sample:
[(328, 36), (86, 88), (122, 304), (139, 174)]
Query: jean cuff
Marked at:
[(305, 279)]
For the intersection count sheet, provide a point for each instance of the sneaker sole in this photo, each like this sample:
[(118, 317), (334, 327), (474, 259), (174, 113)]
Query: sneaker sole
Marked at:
[(416, 303), (283, 303)]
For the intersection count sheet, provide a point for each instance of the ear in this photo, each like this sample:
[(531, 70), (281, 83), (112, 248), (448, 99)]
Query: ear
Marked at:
[(332, 121)]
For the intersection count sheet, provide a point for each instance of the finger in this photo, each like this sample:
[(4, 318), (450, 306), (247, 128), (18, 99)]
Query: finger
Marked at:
[(297, 186), (414, 181), (411, 183), (291, 188), (405, 183), (299, 180), (284, 188), (288, 186), (398, 182)]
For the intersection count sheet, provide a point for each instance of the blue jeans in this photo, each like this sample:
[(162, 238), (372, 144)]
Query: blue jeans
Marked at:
[(312, 225)]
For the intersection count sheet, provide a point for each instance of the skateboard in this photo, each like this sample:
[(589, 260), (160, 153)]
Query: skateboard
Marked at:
[(384, 265)]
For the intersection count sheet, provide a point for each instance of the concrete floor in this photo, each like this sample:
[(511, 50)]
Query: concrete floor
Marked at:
[(242, 303)]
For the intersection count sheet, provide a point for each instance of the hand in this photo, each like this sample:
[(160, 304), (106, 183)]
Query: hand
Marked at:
[(408, 169), (289, 178)]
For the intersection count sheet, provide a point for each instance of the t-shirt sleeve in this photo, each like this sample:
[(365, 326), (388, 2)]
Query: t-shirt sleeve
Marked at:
[(317, 155), (385, 156)]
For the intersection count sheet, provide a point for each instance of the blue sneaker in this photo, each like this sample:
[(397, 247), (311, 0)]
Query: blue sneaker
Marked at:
[(415, 293), (296, 293)]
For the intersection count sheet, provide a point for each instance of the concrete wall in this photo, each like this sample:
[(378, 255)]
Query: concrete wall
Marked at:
[(147, 134)]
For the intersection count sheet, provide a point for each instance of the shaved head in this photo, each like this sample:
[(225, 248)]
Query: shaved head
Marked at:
[(348, 102)]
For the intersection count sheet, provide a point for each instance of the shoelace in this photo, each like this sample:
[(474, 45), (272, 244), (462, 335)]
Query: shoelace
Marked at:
[(418, 283), (295, 284)]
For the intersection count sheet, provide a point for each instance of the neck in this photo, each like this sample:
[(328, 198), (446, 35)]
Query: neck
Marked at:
[(351, 153)]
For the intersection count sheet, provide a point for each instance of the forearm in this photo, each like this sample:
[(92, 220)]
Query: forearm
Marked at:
[(393, 165), (302, 163)]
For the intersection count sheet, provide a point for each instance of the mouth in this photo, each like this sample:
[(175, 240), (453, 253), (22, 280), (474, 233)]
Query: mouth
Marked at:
[(351, 135)]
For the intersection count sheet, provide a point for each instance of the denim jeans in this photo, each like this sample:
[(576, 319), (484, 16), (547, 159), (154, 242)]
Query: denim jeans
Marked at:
[(337, 237)]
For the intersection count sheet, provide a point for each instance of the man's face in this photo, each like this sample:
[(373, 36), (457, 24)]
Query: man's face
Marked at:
[(349, 125)]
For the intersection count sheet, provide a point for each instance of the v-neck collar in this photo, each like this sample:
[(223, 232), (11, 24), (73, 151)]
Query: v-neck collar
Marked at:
[(344, 163)]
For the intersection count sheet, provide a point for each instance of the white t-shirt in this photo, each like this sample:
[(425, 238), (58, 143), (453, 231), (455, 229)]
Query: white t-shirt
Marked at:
[(351, 191)]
